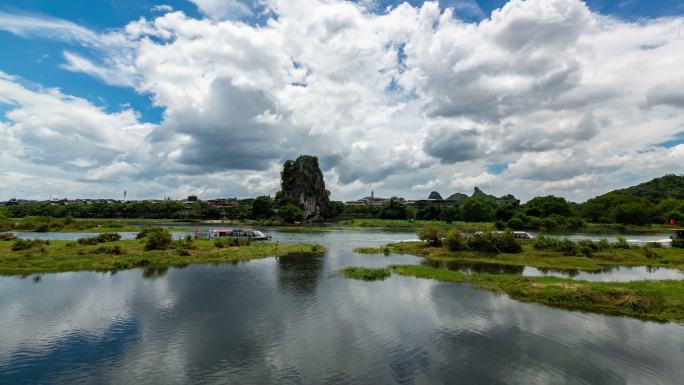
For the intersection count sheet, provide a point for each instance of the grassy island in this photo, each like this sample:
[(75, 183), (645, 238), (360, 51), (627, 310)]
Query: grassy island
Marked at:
[(58, 256), (649, 300), (548, 259)]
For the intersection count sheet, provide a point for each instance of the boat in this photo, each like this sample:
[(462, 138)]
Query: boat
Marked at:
[(522, 235), (254, 235)]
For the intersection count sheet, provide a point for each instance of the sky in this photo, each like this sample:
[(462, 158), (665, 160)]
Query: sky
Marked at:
[(210, 97)]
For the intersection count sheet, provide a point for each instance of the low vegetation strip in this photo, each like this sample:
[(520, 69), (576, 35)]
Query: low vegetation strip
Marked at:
[(58, 256), (372, 250), (366, 273), (649, 300), (579, 255)]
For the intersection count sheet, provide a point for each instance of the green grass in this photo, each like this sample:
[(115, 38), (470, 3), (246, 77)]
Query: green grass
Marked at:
[(60, 256), (649, 300), (372, 250), (635, 256), (365, 273)]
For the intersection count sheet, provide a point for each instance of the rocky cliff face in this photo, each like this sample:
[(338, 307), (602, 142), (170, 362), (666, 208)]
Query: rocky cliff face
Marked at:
[(302, 183)]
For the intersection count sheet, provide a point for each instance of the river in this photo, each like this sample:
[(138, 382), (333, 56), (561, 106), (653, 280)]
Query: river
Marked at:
[(294, 320)]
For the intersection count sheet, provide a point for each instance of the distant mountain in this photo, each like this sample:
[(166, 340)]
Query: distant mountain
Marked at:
[(477, 193), (668, 186), (458, 197), (435, 195)]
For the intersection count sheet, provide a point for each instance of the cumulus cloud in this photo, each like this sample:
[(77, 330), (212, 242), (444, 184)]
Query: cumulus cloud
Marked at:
[(405, 99)]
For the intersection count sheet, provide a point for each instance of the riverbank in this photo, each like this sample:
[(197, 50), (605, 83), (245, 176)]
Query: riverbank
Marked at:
[(545, 259), (648, 300), (60, 256)]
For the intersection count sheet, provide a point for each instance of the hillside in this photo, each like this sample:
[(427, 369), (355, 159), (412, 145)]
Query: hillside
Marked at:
[(668, 186)]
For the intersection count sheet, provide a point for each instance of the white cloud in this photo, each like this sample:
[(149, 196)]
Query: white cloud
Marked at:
[(407, 100)]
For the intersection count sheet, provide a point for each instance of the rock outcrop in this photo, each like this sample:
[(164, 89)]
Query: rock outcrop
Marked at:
[(302, 184)]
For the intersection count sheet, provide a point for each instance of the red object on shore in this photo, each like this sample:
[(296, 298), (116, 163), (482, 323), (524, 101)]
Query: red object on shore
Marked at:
[(673, 222)]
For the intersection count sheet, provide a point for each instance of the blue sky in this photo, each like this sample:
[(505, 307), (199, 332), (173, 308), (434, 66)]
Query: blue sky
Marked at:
[(40, 60), (195, 104)]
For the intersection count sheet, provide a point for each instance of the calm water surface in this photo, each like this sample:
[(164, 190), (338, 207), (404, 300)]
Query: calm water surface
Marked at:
[(293, 320)]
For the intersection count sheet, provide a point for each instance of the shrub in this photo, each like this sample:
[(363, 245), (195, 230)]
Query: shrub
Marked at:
[(102, 238), (114, 250), (25, 244), (506, 243), (431, 234), (481, 242), (158, 240), (7, 237), (515, 223), (146, 232), (454, 240), (621, 243), (546, 243), (679, 243), (649, 251), (500, 225)]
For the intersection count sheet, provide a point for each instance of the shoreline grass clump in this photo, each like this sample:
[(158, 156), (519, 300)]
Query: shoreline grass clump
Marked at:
[(366, 273), (372, 250), (101, 238)]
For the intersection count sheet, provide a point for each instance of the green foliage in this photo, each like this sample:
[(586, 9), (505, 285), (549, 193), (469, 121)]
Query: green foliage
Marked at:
[(569, 248), (429, 213), (25, 244), (262, 208), (111, 250), (454, 240), (431, 234), (494, 243), (158, 240), (678, 243), (450, 214), (621, 243), (7, 237), (546, 206), (291, 213), (395, 209), (101, 238), (366, 274), (478, 210), (232, 242)]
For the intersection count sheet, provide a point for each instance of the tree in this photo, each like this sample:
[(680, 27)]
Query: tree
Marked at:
[(478, 210), (548, 205), (334, 209), (429, 213), (431, 234), (450, 214), (291, 213), (394, 209), (262, 207)]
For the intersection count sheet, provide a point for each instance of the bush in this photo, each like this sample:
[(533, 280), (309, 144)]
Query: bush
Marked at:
[(679, 243), (621, 243), (102, 238), (146, 232), (158, 240), (515, 223), (431, 234), (649, 250), (114, 250), (291, 213), (25, 244), (454, 240), (546, 243), (500, 225), (7, 237), (506, 243)]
